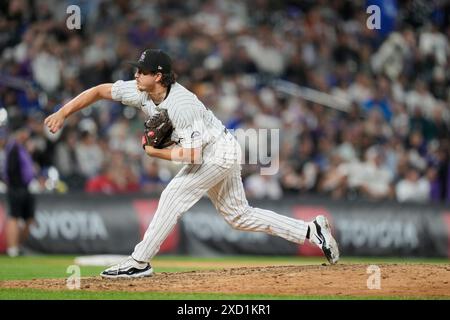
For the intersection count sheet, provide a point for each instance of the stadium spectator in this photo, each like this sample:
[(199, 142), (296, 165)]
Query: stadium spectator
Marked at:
[(376, 178), (115, 177), (150, 180), (413, 187), (90, 156), (263, 187), (66, 161), (394, 82), (18, 173)]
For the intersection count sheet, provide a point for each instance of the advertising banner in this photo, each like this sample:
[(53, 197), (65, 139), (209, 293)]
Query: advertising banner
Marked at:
[(83, 224)]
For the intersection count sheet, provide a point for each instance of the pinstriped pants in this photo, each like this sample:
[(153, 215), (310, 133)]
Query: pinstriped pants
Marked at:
[(220, 177)]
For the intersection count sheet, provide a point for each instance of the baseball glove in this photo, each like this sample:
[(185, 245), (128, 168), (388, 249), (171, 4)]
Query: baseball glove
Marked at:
[(158, 130)]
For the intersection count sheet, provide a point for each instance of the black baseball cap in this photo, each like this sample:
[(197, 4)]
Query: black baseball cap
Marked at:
[(153, 60)]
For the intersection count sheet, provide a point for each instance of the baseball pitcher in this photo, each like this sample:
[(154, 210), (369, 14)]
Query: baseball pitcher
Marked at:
[(210, 154)]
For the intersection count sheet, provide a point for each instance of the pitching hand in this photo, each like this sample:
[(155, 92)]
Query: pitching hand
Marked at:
[(55, 121)]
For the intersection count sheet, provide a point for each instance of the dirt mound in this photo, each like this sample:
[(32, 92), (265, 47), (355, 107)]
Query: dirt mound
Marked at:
[(340, 280)]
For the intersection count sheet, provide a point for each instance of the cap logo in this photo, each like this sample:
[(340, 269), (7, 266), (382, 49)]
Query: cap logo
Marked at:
[(142, 58), (159, 68)]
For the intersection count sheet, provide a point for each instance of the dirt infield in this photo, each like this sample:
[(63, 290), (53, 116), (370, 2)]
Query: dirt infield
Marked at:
[(340, 280)]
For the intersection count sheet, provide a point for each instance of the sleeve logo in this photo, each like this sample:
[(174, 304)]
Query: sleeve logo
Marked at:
[(195, 134)]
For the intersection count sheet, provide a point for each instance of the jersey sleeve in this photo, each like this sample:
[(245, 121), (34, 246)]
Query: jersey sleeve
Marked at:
[(127, 93), (187, 121)]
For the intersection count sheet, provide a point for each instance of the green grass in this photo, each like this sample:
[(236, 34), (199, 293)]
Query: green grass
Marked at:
[(33, 294), (33, 267)]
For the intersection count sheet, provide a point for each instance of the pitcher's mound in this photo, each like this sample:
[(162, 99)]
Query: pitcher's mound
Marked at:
[(340, 280)]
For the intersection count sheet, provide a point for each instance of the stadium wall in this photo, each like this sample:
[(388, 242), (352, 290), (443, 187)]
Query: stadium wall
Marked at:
[(100, 224)]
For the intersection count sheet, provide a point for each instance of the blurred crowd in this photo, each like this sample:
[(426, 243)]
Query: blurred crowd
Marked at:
[(392, 142)]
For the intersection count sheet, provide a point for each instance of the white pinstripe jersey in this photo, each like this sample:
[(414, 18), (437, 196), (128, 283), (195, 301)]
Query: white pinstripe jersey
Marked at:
[(194, 124)]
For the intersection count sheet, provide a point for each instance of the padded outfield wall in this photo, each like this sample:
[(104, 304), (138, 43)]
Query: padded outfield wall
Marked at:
[(88, 224)]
